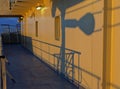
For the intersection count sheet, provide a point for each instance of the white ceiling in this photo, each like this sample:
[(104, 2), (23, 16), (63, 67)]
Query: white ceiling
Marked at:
[(4, 7)]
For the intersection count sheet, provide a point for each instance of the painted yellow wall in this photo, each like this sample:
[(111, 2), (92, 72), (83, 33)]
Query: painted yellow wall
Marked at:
[(90, 46), (115, 78)]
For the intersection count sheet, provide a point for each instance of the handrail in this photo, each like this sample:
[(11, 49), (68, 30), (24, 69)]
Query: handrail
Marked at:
[(70, 70), (3, 70), (57, 46), (73, 70), (10, 28)]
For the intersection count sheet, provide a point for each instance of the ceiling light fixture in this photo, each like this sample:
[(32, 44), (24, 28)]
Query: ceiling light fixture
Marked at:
[(39, 7)]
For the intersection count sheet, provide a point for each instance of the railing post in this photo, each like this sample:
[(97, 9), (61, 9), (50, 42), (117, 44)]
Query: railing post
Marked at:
[(3, 73), (73, 66)]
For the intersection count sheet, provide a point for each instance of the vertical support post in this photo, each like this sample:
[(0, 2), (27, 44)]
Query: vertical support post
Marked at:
[(63, 44), (107, 44), (49, 53), (78, 69), (17, 34), (73, 70), (9, 33), (3, 73)]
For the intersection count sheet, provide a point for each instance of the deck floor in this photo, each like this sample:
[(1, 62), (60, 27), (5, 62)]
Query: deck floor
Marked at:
[(30, 73)]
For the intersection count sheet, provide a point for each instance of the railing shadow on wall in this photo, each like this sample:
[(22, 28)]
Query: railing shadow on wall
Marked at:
[(86, 24), (51, 54), (114, 86), (27, 42)]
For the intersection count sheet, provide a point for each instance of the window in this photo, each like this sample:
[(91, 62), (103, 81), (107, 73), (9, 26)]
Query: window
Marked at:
[(36, 28), (57, 28)]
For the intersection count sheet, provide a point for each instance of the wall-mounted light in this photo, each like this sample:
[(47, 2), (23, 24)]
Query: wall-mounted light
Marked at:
[(39, 7), (20, 19)]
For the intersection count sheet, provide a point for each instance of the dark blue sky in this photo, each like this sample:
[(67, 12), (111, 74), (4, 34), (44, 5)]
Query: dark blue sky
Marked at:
[(11, 21), (8, 20)]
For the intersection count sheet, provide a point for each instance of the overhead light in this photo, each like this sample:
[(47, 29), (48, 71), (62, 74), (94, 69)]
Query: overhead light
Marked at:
[(39, 7)]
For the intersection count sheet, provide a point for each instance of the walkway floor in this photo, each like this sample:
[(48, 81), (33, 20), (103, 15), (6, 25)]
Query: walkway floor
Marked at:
[(30, 73)]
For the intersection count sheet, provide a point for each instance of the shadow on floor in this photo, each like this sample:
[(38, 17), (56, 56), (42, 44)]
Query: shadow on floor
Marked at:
[(31, 73)]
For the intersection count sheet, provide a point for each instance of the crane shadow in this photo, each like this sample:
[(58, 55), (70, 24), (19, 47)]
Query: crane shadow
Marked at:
[(85, 23)]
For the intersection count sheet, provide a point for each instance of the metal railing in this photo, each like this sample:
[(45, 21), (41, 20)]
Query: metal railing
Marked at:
[(51, 54), (7, 28), (10, 33), (3, 69), (55, 61)]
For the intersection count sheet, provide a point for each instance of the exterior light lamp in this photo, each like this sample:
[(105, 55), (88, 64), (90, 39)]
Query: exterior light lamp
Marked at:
[(39, 7)]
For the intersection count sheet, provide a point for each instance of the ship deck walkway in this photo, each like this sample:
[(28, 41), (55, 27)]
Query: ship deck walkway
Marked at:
[(31, 73)]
